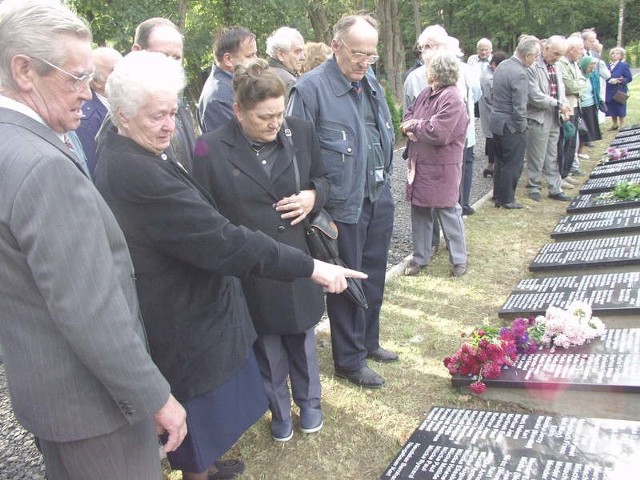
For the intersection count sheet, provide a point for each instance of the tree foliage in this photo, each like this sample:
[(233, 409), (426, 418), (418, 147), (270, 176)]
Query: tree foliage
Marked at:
[(113, 23)]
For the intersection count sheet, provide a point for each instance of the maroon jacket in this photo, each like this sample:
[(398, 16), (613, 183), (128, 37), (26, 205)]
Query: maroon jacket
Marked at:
[(435, 159)]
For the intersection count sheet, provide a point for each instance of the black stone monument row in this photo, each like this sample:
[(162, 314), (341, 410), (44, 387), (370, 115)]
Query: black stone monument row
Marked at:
[(467, 444), (594, 202), (607, 293), (609, 222), (613, 169), (605, 184), (596, 252)]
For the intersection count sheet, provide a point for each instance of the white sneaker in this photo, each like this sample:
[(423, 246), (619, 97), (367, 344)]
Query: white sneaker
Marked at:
[(583, 156)]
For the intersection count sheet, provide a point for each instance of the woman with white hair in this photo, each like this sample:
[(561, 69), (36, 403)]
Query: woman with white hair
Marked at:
[(436, 124), (186, 255), (620, 76)]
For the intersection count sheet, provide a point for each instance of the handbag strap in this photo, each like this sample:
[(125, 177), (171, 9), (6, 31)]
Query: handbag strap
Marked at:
[(296, 170)]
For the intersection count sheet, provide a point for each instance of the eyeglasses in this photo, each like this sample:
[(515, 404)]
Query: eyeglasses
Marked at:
[(424, 47), (359, 57), (84, 79)]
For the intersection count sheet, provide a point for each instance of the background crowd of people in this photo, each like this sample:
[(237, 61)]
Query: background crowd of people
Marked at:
[(164, 279)]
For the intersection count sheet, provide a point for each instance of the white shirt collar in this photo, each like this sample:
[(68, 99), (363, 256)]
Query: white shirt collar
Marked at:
[(102, 99), (20, 107)]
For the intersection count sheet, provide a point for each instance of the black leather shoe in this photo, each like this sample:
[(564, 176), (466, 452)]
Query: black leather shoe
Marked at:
[(509, 206), (487, 173), (535, 196), (226, 469), (382, 355), (561, 197), (365, 377), (467, 210)]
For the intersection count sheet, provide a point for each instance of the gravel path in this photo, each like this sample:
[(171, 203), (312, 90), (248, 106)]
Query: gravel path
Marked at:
[(401, 245), (19, 458)]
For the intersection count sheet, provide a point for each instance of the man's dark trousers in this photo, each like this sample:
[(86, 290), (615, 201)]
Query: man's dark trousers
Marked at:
[(510, 148), (363, 246)]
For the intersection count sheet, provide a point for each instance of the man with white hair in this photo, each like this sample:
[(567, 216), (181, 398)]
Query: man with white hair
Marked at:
[(285, 48), (95, 110), (509, 120), (545, 106), (74, 348), (432, 39), (482, 58), (575, 84)]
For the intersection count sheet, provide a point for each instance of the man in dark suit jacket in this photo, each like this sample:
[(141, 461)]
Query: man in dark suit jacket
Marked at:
[(95, 110), (508, 120), (73, 344)]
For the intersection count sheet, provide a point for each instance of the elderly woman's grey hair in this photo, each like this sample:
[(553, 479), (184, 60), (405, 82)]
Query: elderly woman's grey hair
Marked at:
[(38, 29), (136, 77), (444, 69), (281, 39), (620, 50)]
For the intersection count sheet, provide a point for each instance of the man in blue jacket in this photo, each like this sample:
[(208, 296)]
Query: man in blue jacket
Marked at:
[(348, 108)]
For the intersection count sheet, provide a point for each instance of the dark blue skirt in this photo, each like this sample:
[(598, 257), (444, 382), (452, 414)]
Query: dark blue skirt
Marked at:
[(217, 419)]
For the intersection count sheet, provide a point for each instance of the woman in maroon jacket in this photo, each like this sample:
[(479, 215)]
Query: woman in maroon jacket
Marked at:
[(436, 124)]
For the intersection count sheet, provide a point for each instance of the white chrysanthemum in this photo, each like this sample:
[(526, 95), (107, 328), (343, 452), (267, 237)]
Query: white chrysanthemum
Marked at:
[(580, 309)]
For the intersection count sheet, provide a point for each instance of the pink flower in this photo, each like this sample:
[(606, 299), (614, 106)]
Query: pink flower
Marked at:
[(478, 387)]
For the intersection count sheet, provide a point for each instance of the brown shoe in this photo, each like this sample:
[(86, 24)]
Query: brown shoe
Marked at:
[(412, 269), (458, 270)]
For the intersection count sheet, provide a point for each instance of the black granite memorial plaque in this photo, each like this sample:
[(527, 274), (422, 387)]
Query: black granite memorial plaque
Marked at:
[(598, 223), (596, 252), (604, 184), (630, 142), (591, 202), (629, 157), (612, 169), (465, 444), (629, 129), (607, 293), (607, 364)]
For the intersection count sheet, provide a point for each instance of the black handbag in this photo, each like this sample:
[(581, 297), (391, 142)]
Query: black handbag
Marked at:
[(322, 236), (322, 240)]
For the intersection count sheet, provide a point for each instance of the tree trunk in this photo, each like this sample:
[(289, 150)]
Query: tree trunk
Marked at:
[(182, 14), (391, 41), (318, 18), (621, 22), (416, 18)]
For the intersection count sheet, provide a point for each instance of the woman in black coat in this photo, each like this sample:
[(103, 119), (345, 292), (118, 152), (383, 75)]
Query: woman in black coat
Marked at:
[(186, 255), (265, 173)]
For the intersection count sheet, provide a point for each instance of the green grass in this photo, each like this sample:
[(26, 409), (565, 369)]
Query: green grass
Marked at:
[(422, 320)]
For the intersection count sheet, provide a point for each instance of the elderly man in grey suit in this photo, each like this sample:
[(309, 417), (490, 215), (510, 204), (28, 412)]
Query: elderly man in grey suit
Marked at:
[(77, 366), (547, 102), (508, 121)]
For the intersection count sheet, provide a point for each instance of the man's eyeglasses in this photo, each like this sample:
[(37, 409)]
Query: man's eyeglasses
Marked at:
[(79, 80), (359, 57)]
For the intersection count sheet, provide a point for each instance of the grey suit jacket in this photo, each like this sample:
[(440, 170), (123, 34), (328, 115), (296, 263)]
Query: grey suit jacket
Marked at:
[(540, 99), (73, 344), (510, 92)]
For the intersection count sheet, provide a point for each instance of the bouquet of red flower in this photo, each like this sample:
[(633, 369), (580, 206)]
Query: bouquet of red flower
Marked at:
[(487, 350)]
